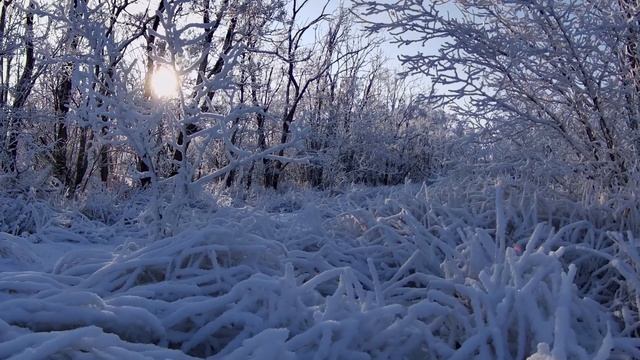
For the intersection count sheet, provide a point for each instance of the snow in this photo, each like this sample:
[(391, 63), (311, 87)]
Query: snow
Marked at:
[(380, 273)]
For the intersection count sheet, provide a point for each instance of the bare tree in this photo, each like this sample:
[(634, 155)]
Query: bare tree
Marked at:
[(522, 65)]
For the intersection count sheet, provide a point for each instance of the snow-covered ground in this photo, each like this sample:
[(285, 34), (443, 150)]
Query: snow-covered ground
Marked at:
[(387, 273)]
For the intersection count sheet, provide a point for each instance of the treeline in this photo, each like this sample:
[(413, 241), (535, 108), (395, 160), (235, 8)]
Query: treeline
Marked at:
[(270, 92), (553, 87), (278, 93)]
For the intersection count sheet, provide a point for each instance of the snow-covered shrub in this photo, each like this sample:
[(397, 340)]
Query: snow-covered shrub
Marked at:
[(101, 205), (21, 214), (15, 253), (485, 272), (88, 343)]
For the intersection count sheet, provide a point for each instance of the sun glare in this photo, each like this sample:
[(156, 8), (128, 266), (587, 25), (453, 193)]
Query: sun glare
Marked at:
[(165, 83)]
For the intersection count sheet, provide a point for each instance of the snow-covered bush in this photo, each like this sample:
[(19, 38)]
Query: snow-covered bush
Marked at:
[(487, 272)]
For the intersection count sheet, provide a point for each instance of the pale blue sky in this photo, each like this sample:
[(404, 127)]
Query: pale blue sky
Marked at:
[(313, 8), (392, 51)]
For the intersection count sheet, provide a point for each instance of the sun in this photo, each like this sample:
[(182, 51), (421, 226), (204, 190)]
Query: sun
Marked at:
[(165, 82)]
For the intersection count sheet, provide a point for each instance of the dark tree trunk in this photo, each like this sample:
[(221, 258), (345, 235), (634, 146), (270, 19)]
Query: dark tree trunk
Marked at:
[(62, 97), (234, 136), (3, 86), (189, 129), (141, 164), (23, 89), (104, 163), (82, 162)]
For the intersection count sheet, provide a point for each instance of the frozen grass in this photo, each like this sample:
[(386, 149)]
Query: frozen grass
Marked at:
[(487, 272)]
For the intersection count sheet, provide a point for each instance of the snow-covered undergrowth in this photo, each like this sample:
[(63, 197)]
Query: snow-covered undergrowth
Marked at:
[(390, 273)]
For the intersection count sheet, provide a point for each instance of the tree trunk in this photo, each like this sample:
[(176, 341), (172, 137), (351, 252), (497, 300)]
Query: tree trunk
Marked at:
[(62, 101), (82, 162), (234, 136), (3, 86), (23, 89), (188, 129), (141, 163)]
